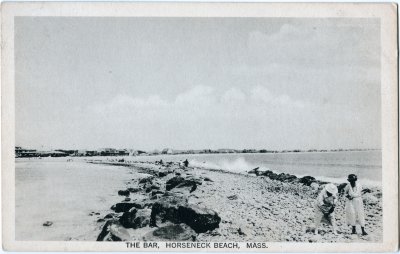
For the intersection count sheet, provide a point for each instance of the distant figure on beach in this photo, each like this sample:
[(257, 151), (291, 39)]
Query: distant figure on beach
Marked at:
[(354, 204), (325, 206), (186, 163)]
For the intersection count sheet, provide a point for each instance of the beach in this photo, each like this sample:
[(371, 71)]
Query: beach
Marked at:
[(139, 200)]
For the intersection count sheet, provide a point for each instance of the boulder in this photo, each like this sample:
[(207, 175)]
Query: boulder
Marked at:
[(254, 171), (200, 219), (166, 209), (307, 180), (341, 187), (110, 215), (127, 218), (162, 174), (125, 207), (136, 218), (286, 177), (146, 180), (123, 192), (133, 190), (178, 182), (177, 232)]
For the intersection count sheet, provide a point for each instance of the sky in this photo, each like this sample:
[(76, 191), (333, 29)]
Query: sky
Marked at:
[(196, 83)]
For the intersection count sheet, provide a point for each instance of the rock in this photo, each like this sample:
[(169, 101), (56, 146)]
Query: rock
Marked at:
[(48, 223), (286, 177), (314, 186), (307, 180), (166, 209), (341, 187), (366, 190), (254, 171), (233, 197), (136, 218), (127, 199), (156, 192), (207, 179), (125, 207), (142, 218), (134, 190), (146, 180), (118, 232), (127, 218), (105, 231), (240, 232), (123, 192), (178, 182), (101, 220), (273, 176), (200, 219), (162, 174), (110, 215), (179, 232)]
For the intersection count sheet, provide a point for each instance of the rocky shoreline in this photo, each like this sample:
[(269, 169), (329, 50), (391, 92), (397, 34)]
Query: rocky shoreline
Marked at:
[(172, 202)]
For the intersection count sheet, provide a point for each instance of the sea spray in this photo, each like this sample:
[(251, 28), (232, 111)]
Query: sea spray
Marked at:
[(238, 165)]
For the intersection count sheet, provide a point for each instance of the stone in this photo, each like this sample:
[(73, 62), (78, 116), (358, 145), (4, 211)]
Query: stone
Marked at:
[(162, 174), (48, 223), (233, 197), (146, 180), (341, 187), (178, 182), (307, 180), (110, 215), (125, 207), (133, 190), (142, 218), (105, 231), (136, 218), (166, 208), (123, 192), (127, 218), (199, 218), (254, 171), (177, 232)]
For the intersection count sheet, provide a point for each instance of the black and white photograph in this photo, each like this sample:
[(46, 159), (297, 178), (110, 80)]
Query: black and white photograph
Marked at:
[(180, 133)]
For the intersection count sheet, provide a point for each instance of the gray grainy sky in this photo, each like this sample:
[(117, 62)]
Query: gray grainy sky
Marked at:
[(148, 83)]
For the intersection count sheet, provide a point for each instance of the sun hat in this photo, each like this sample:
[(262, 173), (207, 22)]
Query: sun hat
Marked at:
[(352, 177), (331, 188)]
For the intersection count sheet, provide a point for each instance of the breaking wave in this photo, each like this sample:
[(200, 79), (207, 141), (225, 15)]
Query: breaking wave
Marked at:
[(238, 165)]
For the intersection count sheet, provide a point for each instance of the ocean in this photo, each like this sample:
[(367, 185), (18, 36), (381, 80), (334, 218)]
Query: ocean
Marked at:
[(326, 166)]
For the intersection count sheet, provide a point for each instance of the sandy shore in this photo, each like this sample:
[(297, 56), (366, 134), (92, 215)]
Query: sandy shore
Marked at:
[(246, 207)]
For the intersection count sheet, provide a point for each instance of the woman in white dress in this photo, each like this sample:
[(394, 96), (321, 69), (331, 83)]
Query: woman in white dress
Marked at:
[(354, 204)]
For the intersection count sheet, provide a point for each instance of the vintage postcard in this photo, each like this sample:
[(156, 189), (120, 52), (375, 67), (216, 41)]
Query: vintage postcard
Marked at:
[(213, 127)]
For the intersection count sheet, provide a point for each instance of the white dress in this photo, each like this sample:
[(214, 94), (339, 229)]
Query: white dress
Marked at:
[(355, 206)]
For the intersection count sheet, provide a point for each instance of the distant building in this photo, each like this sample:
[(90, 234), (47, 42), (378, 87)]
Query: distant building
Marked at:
[(108, 152), (123, 152), (21, 152)]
